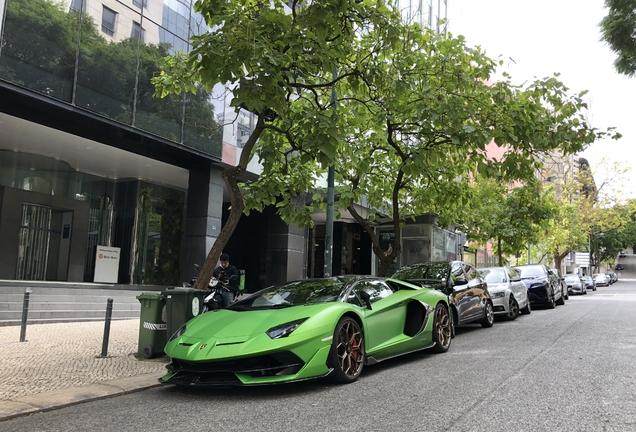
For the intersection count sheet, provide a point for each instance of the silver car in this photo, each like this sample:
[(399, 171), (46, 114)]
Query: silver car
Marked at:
[(576, 284), (601, 279), (509, 295)]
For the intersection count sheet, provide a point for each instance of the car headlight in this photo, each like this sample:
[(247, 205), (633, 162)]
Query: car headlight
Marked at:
[(178, 333), (284, 330), (497, 294)]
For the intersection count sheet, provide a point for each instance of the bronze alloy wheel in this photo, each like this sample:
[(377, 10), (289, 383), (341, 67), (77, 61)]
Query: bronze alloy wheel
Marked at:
[(441, 329), (349, 349)]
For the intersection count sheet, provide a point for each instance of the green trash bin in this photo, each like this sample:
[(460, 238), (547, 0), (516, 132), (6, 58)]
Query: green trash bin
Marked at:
[(152, 325), (182, 304), (241, 287)]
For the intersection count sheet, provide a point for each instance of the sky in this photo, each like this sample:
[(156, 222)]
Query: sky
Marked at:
[(537, 39)]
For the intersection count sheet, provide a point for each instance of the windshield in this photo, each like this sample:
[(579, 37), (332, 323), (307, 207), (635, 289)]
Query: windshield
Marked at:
[(571, 278), (493, 275), (531, 271), (297, 293), (431, 271)]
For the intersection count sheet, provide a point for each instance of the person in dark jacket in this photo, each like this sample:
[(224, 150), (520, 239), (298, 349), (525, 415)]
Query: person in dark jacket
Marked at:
[(224, 273)]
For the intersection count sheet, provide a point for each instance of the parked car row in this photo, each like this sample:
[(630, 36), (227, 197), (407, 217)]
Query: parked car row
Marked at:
[(334, 327)]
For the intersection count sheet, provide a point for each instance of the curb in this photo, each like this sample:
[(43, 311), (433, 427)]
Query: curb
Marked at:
[(61, 398)]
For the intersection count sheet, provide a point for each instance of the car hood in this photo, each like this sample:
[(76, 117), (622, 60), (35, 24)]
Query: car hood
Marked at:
[(229, 323), (531, 281), (497, 287)]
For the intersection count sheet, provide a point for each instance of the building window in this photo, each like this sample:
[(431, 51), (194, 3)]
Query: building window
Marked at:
[(108, 21), (139, 3), (77, 5), (137, 31)]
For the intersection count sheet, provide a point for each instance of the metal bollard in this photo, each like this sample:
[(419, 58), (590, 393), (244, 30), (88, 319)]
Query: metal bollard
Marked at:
[(109, 314), (25, 313)]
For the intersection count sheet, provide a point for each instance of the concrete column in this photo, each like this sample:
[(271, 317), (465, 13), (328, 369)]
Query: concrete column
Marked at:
[(204, 210), (286, 251)]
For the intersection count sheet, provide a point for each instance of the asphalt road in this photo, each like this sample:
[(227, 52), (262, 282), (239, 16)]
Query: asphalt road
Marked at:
[(567, 369)]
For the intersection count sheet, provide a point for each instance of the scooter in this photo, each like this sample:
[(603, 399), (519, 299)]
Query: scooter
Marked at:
[(214, 300)]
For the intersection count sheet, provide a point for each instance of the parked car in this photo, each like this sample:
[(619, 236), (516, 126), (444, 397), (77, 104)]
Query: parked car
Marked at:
[(618, 267), (576, 284), (310, 328), (543, 286), (601, 279), (509, 295), (613, 277), (467, 292), (589, 282), (623, 254), (564, 287)]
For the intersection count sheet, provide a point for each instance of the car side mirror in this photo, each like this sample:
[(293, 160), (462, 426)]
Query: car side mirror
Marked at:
[(366, 298), (516, 279), (460, 282)]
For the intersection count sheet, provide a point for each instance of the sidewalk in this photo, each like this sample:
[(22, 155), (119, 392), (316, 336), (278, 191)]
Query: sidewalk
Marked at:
[(59, 365)]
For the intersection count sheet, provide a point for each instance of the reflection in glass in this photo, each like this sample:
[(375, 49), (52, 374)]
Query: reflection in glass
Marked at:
[(157, 242), (38, 47), (201, 130), (106, 73)]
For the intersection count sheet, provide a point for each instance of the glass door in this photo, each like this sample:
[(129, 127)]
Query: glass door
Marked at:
[(35, 235)]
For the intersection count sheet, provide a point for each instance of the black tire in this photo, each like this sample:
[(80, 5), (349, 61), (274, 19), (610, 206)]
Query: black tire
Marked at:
[(566, 295), (513, 308), (442, 329), (526, 310), (551, 304), (452, 316), (489, 316), (561, 300), (584, 292), (347, 351)]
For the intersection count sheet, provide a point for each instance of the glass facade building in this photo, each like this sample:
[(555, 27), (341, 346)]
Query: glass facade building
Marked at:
[(100, 55), (96, 58)]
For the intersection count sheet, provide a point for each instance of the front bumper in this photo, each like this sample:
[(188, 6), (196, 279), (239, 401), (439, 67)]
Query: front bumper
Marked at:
[(539, 296), (576, 290), (500, 305), (274, 368)]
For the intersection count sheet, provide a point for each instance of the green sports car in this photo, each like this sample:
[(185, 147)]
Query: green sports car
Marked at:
[(306, 329)]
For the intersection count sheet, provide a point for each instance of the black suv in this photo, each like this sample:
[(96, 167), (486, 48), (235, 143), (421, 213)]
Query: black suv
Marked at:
[(544, 287), (467, 292)]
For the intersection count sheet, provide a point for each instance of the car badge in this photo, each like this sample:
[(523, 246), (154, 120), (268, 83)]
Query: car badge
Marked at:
[(203, 346)]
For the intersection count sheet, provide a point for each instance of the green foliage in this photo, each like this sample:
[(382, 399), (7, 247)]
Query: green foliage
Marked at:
[(618, 29), (513, 216)]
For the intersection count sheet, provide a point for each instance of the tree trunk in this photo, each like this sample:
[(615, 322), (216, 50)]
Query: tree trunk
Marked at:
[(499, 252), (230, 177)]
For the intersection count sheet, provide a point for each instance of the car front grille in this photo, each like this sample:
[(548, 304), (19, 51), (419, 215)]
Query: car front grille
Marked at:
[(276, 364)]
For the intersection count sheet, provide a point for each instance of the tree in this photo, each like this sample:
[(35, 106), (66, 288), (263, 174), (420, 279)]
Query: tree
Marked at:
[(278, 65), (417, 120), (511, 215), (618, 29)]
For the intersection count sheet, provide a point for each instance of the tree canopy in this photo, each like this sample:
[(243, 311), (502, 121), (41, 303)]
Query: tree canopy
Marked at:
[(618, 29), (413, 118)]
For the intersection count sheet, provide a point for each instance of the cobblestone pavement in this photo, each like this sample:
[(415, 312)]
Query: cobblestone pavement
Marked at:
[(59, 356)]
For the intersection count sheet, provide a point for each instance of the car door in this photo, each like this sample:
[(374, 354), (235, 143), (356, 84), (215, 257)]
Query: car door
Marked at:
[(477, 288), (517, 288), (385, 320), (461, 292)]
